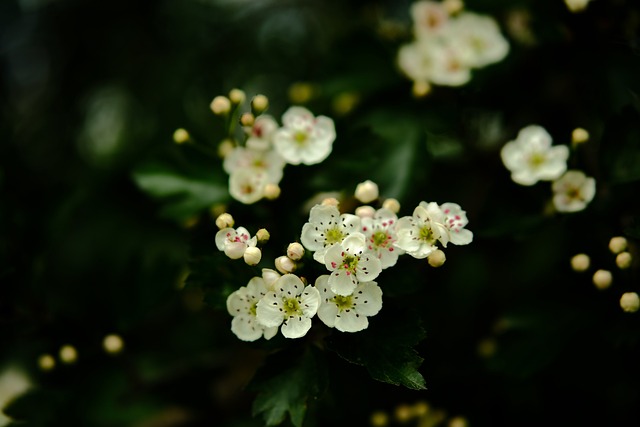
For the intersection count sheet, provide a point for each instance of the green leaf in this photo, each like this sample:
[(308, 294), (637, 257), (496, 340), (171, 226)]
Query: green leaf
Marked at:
[(385, 349), (183, 193), (286, 385)]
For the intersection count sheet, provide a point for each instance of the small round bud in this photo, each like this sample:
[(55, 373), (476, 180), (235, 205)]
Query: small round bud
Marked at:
[(252, 255), (630, 302), (113, 343), (436, 258), (623, 260), (421, 89), (365, 211), (453, 6), (602, 279), (367, 191), (403, 413), (458, 422), (271, 191), (617, 244), (263, 236), (580, 262), (46, 362), (225, 147), (221, 105), (301, 92), (379, 419), (68, 354), (285, 265), (237, 96), (295, 251), (247, 119), (579, 135), (180, 136), (330, 201), (392, 204), (259, 104), (224, 220)]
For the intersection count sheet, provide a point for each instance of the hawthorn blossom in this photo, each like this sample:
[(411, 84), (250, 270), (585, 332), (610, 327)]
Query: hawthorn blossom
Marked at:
[(304, 138), (267, 162), (326, 227), (247, 185), (242, 304), (380, 232), (419, 234), (348, 313), (531, 158), (455, 221), (289, 304), (234, 242), (479, 39), (350, 264), (429, 18), (433, 60), (573, 191), (260, 133)]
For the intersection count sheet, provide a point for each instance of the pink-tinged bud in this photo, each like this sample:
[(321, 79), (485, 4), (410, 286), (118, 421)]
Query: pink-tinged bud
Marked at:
[(224, 220), (295, 251)]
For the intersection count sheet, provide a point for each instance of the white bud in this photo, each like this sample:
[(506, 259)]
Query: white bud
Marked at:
[(602, 279), (180, 136), (224, 220), (285, 265), (295, 251), (365, 211), (271, 191), (252, 255), (367, 191), (392, 204), (237, 96), (580, 262), (623, 260), (113, 343), (617, 244), (259, 104), (436, 258), (262, 236), (221, 105), (630, 302), (68, 354)]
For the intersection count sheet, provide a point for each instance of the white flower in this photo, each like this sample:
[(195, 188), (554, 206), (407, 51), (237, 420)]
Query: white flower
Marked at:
[(435, 60), (234, 242), (429, 17), (419, 234), (304, 138), (348, 313), (325, 228), (291, 305), (267, 162), (380, 232), (259, 135), (242, 304), (350, 264), (455, 221), (478, 38), (247, 185), (573, 191), (531, 158), (14, 382)]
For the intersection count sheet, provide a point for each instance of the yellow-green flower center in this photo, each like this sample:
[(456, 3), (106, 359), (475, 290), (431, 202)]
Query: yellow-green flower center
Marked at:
[(300, 137), (333, 235), (350, 263), (379, 238), (343, 303), (536, 160), (252, 309), (426, 234), (291, 306)]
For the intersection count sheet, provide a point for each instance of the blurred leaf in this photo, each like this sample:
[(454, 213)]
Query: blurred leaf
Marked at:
[(290, 389), (385, 349), (183, 194)]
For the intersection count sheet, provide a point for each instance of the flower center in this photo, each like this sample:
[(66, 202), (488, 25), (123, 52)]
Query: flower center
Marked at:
[(380, 238), (350, 263), (252, 309), (426, 234), (343, 302), (333, 235), (300, 137), (291, 306), (536, 160)]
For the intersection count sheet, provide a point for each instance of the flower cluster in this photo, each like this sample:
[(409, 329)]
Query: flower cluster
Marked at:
[(448, 44), (531, 157), (354, 248), (255, 161)]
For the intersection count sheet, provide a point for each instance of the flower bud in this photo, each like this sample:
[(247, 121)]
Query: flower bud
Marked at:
[(180, 136), (580, 262), (436, 258), (225, 147), (602, 279), (224, 220), (630, 302), (617, 244), (221, 105), (285, 265), (237, 96), (392, 204), (262, 236), (271, 191), (247, 119), (365, 211), (252, 255), (623, 260), (421, 89), (259, 104), (295, 251), (367, 191), (330, 201), (579, 135), (301, 92), (68, 354), (46, 362), (113, 343)]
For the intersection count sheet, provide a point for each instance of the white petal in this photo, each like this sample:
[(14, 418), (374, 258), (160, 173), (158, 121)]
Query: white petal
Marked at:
[(351, 321), (270, 276), (369, 267), (269, 311), (324, 215), (238, 302), (389, 256), (350, 223), (535, 137), (355, 243), (257, 287), (319, 255), (270, 332), (333, 257), (461, 236), (234, 250), (367, 299), (296, 327), (246, 328), (309, 301), (312, 237), (289, 285), (342, 283), (322, 285), (222, 236), (327, 313)]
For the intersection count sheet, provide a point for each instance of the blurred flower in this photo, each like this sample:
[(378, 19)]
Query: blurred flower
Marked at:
[(241, 304), (531, 158), (580, 262), (326, 227), (602, 279), (348, 313), (260, 133), (623, 260), (577, 5), (573, 191), (350, 264), (617, 244), (13, 383)]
